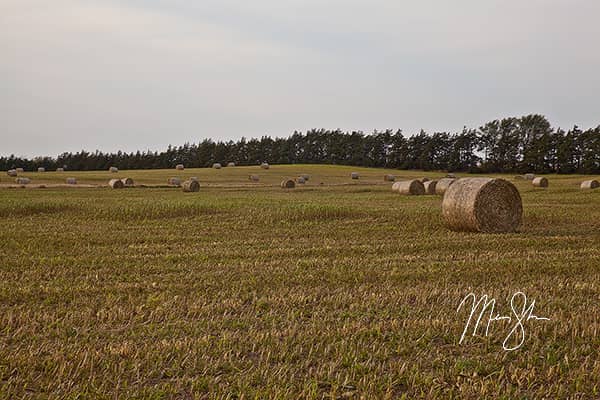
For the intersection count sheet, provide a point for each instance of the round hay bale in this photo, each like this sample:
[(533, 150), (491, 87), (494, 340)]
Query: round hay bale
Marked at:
[(300, 180), (412, 187), (482, 205), (41, 169), (19, 170), (231, 164), (288, 184), (127, 181), (354, 175), (217, 166), (529, 177), (389, 178), (430, 187), (174, 181), (114, 170), (424, 179), (591, 184), (71, 181), (265, 165), (11, 172), (179, 167), (540, 181), (191, 186), (60, 170), (22, 181), (451, 175), (443, 184), (518, 177), (116, 184), (305, 176), (253, 178)]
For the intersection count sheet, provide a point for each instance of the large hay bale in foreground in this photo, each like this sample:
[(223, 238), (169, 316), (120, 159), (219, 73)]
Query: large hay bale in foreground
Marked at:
[(529, 177), (389, 178), (412, 187), (127, 181), (41, 169), (288, 184), (191, 186), (60, 170), (443, 184), (217, 166), (113, 170), (540, 182), (22, 181), (354, 175), (71, 181), (231, 164), (265, 165), (429, 187), (179, 167), (11, 172), (482, 205), (591, 184), (254, 178), (116, 184), (174, 181)]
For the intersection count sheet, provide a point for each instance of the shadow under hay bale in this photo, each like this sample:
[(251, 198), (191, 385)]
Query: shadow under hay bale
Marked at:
[(71, 181), (116, 184), (413, 187), (288, 184), (443, 184), (179, 167), (430, 186), (540, 182), (191, 186), (482, 205), (591, 184), (354, 175)]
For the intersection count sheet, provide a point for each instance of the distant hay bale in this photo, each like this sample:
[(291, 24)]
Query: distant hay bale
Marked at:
[(217, 166), (179, 167), (41, 169), (265, 165), (389, 178), (127, 181), (430, 187), (412, 187), (11, 172), (60, 170), (231, 164), (424, 179), (116, 184), (300, 180), (71, 181), (191, 186), (518, 177), (288, 184), (22, 181), (19, 170), (174, 181), (482, 205), (451, 175), (254, 178), (529, 177), (540, 181), (113, 169), (591, 184), (443, 184), (305, 176), (354, 175)]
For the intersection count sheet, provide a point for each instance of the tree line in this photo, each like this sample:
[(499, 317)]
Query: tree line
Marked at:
[(512, 145)]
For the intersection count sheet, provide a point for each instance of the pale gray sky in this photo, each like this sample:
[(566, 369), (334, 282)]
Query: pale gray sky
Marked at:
[(140, 74)]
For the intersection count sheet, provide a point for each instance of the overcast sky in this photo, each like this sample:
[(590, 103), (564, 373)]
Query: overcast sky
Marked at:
[(140, 74)]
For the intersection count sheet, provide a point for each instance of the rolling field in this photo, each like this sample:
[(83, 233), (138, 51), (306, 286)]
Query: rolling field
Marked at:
[(248, 291)]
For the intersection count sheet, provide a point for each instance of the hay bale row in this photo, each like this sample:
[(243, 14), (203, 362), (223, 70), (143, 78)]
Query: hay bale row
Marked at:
[(71, 181), (113, 170), (179, 167), (413, 187), (253, 178), (482, 205), (265, 165), (22, 181), (191, 186), (443, 184), (116, 184), (60, 170), (217, 166), (540, 182), (589, 185), (354, 175), (389, 178), (174, 181), (288, 184), (11, 172)]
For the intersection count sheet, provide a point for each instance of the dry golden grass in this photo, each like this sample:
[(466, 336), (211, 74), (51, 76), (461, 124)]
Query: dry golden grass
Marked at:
[(335, 290)]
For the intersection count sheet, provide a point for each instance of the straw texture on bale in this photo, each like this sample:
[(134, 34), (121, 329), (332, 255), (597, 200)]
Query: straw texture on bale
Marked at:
[(41, 169), (443, 184), (253, 178), (412, 187), (71, 181), (354, 175), (174, 181), (179, 167), (540, 182), (482, 205), (11, 172), (19, 170), (127, 181), (300, 180), (288, 184), (217, 166), (22, 181), (113, 169), (231, 164), (591, 184), (191, 186), (430, 187), (389, 178), (60, 170), (529, 177), (116, 184), (265, 165)]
